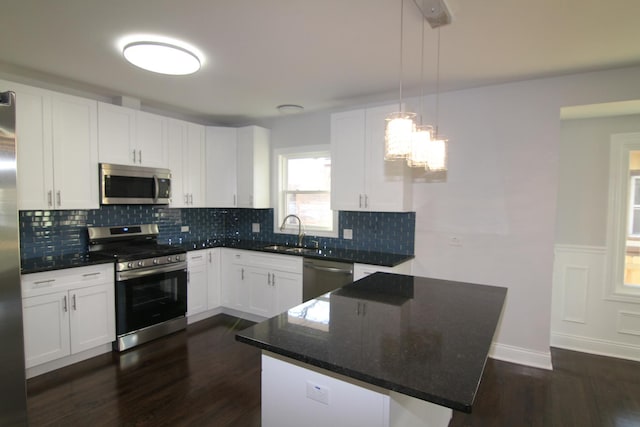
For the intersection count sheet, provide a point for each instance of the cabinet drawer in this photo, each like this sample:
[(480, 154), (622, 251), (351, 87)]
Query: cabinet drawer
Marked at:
[(47, 282), (277, 262)]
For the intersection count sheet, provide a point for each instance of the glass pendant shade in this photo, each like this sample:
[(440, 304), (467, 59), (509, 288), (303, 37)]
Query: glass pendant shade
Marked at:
[(398, 135), (436, 155), (419, 147)]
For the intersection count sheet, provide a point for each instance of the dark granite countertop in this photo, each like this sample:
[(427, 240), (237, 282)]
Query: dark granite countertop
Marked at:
[(422, 337), (48, 263), (346, 255)]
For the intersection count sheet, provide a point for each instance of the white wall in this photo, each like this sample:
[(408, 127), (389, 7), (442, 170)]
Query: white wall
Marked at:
[(499, 199)]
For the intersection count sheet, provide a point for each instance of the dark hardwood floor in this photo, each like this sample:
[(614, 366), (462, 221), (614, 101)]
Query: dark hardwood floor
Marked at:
[(203, 377)]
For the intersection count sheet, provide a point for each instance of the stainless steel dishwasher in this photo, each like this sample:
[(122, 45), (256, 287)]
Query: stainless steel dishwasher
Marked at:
[(321, 276)]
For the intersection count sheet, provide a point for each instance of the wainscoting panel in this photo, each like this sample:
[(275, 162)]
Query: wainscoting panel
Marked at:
[(582, 317)]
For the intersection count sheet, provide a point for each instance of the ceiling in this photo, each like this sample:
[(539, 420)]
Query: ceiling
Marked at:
[(319, 54)]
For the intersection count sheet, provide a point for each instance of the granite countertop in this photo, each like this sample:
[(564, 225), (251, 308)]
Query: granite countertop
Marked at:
[(47, 263), (346, 255), (422, 337)]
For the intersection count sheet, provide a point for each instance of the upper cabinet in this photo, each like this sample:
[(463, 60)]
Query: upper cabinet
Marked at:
[(132, 137), (253, 168), (57, 149), (221, 145), (361, 180), (187, 164)]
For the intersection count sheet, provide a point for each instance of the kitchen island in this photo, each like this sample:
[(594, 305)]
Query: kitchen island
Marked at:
[(387, 350)]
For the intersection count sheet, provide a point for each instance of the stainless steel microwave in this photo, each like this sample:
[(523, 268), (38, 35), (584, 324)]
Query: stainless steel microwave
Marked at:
[(134, 185)]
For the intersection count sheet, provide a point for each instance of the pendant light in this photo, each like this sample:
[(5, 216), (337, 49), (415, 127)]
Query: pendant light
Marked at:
[(422, 134), (436, 153), (400, 125)]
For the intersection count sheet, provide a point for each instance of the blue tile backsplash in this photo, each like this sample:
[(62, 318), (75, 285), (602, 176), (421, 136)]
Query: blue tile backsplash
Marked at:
[(54, 233)]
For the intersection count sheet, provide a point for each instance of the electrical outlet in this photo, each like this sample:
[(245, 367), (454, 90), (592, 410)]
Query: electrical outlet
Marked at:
[(255, 227), (455, 241), (318, 393), (347, 233), (184, 229)]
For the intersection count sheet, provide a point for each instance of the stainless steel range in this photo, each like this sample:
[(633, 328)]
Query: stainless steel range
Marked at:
[(150, 280)]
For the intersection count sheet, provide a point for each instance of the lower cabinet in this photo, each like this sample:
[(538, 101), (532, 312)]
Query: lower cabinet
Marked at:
[(203, 285), (67, 311), (261, 284)]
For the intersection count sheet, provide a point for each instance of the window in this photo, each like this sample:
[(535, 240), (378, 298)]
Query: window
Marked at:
[(304, 189), (623, 228)]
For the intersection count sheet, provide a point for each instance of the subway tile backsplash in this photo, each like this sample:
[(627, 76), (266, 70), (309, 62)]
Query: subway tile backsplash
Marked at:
[(55, 233)]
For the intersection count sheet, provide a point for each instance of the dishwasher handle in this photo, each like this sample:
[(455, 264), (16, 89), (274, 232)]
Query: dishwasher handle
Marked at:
[(328, 269)]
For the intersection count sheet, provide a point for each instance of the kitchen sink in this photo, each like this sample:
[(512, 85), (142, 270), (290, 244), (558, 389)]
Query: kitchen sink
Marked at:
[(292, 249)]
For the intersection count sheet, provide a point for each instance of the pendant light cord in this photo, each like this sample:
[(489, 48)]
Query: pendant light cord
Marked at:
[(437, 86), (422, 75), (401, 40)]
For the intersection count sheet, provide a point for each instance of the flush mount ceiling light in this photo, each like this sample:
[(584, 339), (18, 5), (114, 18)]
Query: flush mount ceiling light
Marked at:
[(162, 57), (289, 108)]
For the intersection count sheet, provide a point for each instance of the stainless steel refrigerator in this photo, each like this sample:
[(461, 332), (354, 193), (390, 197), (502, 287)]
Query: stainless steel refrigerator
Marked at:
[(13, 403)]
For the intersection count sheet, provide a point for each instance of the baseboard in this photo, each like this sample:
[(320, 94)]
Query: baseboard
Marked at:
[(522, 356), (204, 315), (243, 315), (596, 346)]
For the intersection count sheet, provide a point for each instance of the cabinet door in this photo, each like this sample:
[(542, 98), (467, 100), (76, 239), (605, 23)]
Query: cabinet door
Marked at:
[(253, 168), (75, 152), (92, 320), (177, 135), (34, 147), (387, 183), (348, 160), (194, 165), (46, 328), (221, 167), (151, 140), (261, 292), (116, 134), (288, 291), (197, 283), (213, 278)]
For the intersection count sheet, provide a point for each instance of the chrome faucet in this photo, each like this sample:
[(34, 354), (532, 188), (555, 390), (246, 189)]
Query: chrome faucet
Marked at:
[(300, 232)]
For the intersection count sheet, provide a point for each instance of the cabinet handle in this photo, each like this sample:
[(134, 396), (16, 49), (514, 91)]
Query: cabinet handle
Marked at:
[(134, 156), (242, 273), (64, 303), (197, 257), (44, 283), (186, 199), (191, 199), (49, 198), (209, 257), (360, 201), (366, 201), (91, 274), (273, 279), (268, 279), (74, 303), (140, 156), (59, 197)]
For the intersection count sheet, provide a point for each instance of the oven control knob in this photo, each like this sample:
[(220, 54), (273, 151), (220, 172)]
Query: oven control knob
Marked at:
[(169, 259), (130, 265), (177, 258), (155, 260), (140, 263)]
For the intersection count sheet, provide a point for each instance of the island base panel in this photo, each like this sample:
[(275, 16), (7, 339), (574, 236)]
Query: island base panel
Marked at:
[(294, 394)]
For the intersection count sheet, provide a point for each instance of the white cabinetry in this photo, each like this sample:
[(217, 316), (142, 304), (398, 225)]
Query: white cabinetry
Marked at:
[(131, 137), (57, 149), (67, 311), (203, 287), (361, 180), (261, 284), (221, 146), (253, 168), (362, 270), (187, 164)]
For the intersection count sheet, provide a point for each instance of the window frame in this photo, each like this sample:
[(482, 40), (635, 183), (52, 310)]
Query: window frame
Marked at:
[(279, 156), (618, 221)]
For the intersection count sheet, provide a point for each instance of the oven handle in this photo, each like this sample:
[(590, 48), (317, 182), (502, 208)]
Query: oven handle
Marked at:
[(143, 272)]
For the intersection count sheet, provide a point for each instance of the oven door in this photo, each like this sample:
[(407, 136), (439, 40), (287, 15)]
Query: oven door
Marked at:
[(149, 296)]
